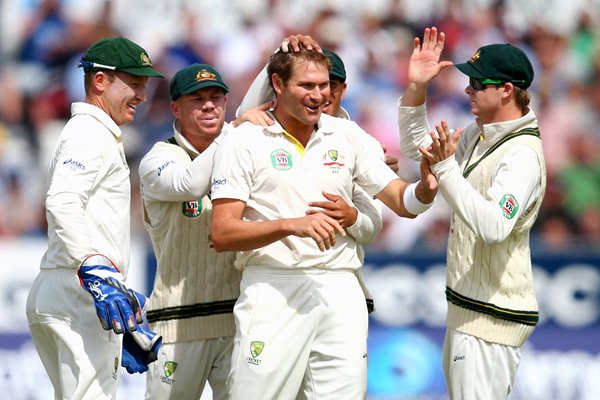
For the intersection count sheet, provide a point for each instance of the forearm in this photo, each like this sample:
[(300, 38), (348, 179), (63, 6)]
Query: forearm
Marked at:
[(414, 129), (167, 179), (232, 234), (66, 212)]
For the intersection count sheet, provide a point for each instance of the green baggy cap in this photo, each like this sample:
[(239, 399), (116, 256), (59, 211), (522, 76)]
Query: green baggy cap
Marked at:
[(118, 54), (338, 71), (503, 62), (195, 77)]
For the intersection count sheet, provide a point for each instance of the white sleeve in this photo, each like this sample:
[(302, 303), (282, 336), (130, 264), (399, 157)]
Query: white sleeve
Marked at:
[(260, 92), (516, 181), (165, 176), (70, 189), (369, 220), (414, 130)]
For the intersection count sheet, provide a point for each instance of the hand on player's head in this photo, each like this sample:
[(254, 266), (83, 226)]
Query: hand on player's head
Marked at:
[(294, 42)]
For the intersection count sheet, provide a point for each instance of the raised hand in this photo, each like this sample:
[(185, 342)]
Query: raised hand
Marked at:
[(443, 145), (425, 61), (336, 208)]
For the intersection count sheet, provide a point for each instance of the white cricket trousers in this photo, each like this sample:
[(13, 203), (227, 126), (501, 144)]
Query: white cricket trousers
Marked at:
[(476, 369), (183, 368), (299, 334), (82, 359)]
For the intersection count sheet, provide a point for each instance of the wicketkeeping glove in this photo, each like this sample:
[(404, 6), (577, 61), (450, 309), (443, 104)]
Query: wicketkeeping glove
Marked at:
[(117, 306), (140, 348)]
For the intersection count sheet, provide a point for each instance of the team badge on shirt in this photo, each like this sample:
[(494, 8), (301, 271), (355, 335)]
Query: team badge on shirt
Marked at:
[(331, 160), (191, 208), (509, 206), (256, 347), (281, 160)]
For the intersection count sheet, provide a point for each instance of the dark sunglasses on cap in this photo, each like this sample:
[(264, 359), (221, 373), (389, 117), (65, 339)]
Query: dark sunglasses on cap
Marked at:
[(480, 84)]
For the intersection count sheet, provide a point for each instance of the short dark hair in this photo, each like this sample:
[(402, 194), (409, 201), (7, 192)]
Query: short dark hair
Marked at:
[(281, 63), (88, 75)]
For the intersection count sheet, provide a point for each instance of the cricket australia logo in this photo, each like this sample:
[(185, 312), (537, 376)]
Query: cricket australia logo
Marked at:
[(191, 208), (256, 347), (475, 57), (169, 369), (509, 206), (330, 159), (281, 160)]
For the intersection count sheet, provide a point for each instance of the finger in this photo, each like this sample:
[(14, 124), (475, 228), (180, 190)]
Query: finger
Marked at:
[(425, 153), (324, 206), (285, 46), (426, 35), (266, 106), (416, 45), (443, 132), (331, 196)]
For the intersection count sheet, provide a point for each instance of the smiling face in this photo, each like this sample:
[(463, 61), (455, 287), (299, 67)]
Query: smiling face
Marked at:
[(201, 115), (121, 94), (337, 91), (300, 100)]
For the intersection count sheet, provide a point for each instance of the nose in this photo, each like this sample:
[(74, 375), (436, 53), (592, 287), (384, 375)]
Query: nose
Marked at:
[(469, 90), (142, 94)]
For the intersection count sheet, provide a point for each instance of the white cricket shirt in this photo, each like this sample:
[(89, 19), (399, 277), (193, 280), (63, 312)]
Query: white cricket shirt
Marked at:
[(88, 197), (277, 178)]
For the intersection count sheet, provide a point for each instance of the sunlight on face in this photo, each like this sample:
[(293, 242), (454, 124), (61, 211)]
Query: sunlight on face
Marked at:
[(122, 95), (201, 113), (306, 92)]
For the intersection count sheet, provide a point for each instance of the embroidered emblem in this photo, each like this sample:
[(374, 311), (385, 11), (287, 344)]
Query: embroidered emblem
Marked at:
[(475, 57), (204, 75), (281, 160), (191, 208), (509, 206)]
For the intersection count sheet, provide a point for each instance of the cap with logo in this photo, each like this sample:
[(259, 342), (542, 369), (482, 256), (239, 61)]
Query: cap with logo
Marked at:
[(118, 54), (338, 71), (499, 62), (195, 77)]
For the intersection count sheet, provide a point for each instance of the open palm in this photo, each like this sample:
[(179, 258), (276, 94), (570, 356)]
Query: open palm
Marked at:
[(425, 60)]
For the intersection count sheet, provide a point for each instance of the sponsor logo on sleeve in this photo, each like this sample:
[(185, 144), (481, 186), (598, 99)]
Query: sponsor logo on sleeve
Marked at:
[(509, 206), (74, 164), (164, 166)]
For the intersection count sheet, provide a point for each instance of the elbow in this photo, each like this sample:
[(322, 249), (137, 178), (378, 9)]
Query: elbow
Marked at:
[(218, 242), (494, 237)]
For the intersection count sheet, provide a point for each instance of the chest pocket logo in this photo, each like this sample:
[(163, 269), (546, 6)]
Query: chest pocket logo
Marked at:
[(281, 160), (330, 159), (191, 208)]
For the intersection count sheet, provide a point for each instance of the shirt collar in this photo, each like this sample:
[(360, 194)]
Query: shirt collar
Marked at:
[(96, 112), (324, 125), (182, 141), (496, 130)]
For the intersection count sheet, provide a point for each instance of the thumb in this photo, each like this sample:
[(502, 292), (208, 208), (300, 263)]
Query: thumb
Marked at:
[(266, 106)]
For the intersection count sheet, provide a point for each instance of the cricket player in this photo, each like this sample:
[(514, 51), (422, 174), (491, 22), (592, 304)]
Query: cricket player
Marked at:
[(301, 320), (88, 210), (261, 91), (493, 177)]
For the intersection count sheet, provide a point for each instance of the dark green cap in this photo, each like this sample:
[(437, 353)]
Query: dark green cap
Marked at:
[(195, 77), (338, 71), (118, 54), (502, 62)]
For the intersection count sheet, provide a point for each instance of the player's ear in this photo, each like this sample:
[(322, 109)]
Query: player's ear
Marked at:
[(277, 83)]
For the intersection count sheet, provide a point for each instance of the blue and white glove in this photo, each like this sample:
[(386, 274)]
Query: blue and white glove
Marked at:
[(117, 306), (140, 348)]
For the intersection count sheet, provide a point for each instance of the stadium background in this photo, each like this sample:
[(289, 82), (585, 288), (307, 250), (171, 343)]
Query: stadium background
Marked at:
[(42, 40)]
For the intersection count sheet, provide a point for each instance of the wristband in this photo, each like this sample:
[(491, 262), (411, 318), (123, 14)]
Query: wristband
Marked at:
[(412, 204)]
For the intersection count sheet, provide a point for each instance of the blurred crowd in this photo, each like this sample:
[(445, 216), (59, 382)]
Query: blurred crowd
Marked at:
[(41, 42)]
